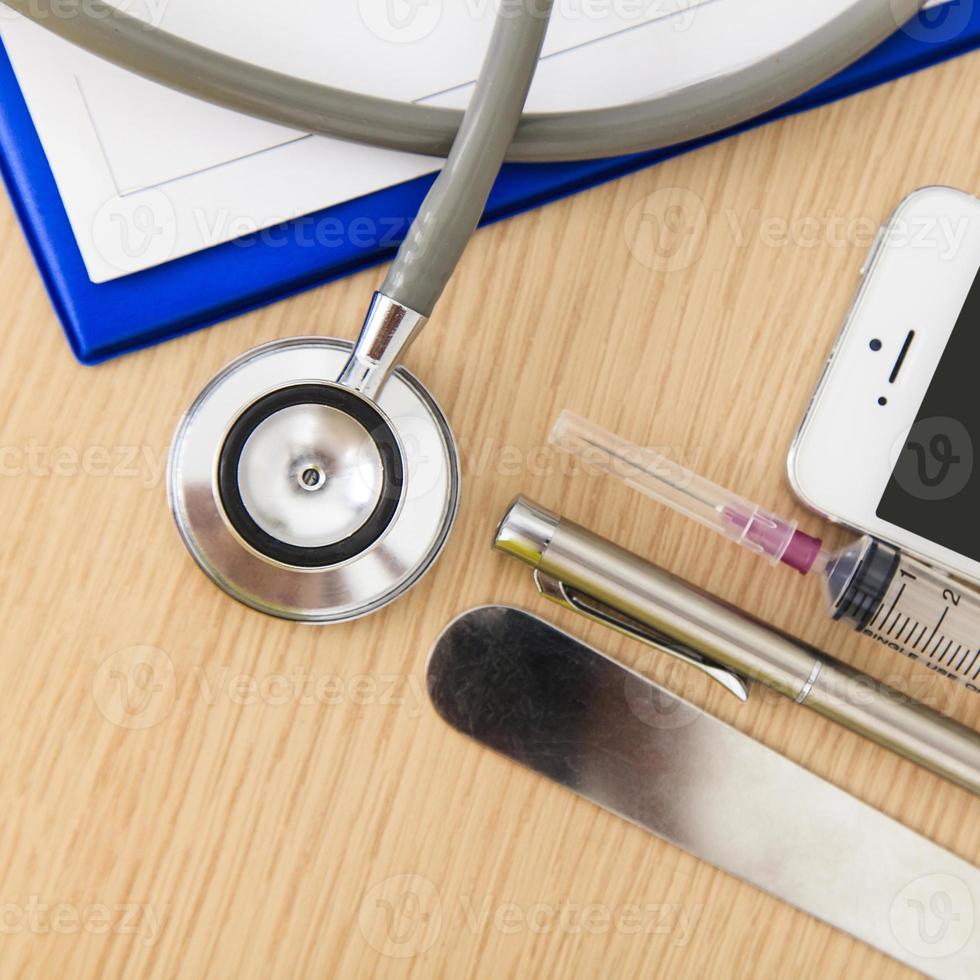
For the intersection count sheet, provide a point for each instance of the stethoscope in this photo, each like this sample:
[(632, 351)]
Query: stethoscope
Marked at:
[(317, 482)]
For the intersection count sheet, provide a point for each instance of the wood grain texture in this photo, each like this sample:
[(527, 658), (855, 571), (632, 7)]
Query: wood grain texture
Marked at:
[(281, 801)]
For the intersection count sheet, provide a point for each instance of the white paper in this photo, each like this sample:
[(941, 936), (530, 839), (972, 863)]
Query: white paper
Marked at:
[(148, 175)]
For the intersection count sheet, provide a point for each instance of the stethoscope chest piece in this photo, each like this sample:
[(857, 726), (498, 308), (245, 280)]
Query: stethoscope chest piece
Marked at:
[(305, 499)]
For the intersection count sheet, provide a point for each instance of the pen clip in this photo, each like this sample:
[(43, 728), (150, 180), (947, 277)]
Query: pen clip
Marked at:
[(557, 591)]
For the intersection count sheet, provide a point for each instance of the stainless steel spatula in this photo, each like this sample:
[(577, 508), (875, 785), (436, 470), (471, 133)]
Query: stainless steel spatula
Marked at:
[(535, 694)]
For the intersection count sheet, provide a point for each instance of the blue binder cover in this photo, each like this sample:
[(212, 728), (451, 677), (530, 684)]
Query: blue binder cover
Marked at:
[(102, 321)]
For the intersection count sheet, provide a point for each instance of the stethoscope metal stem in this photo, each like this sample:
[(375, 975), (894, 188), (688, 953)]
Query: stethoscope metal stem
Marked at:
[(388, 330)]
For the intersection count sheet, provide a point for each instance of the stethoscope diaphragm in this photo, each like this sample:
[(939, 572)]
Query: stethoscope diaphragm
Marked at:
[(311, 475)]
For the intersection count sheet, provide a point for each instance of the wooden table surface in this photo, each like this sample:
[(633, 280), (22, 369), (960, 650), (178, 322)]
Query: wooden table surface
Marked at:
[(190, 788)]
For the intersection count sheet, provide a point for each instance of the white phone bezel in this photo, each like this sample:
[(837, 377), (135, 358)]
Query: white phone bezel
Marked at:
[(918, 276)]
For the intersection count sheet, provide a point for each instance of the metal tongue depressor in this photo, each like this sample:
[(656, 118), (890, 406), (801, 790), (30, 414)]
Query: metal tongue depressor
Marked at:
[(540, 697)]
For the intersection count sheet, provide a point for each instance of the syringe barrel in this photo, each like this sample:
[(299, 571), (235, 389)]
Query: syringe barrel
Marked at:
[(910, 607)]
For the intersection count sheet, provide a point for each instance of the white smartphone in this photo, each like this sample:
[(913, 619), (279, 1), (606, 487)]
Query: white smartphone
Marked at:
[(888, 443)]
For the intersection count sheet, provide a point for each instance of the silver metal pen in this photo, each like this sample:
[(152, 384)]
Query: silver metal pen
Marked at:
[(606, 583)]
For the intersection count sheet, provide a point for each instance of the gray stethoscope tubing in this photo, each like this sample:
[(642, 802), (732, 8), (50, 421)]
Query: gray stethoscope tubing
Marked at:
[(675, 117), (453, 207), (289, 477)]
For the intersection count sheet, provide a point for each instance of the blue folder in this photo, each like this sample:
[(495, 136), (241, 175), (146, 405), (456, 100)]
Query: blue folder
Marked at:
[(102, 321)]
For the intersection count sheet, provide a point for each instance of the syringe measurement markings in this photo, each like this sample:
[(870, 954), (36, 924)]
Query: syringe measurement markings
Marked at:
[(977, 672), (893, 605), (938, 624), (934, 641), (959, 646), (877, 613), (904, 637), (901, 628)]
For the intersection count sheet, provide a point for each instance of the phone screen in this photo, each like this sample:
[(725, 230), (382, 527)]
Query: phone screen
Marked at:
[(934, 490)]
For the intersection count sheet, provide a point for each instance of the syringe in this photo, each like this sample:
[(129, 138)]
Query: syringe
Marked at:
[(900, 602)]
